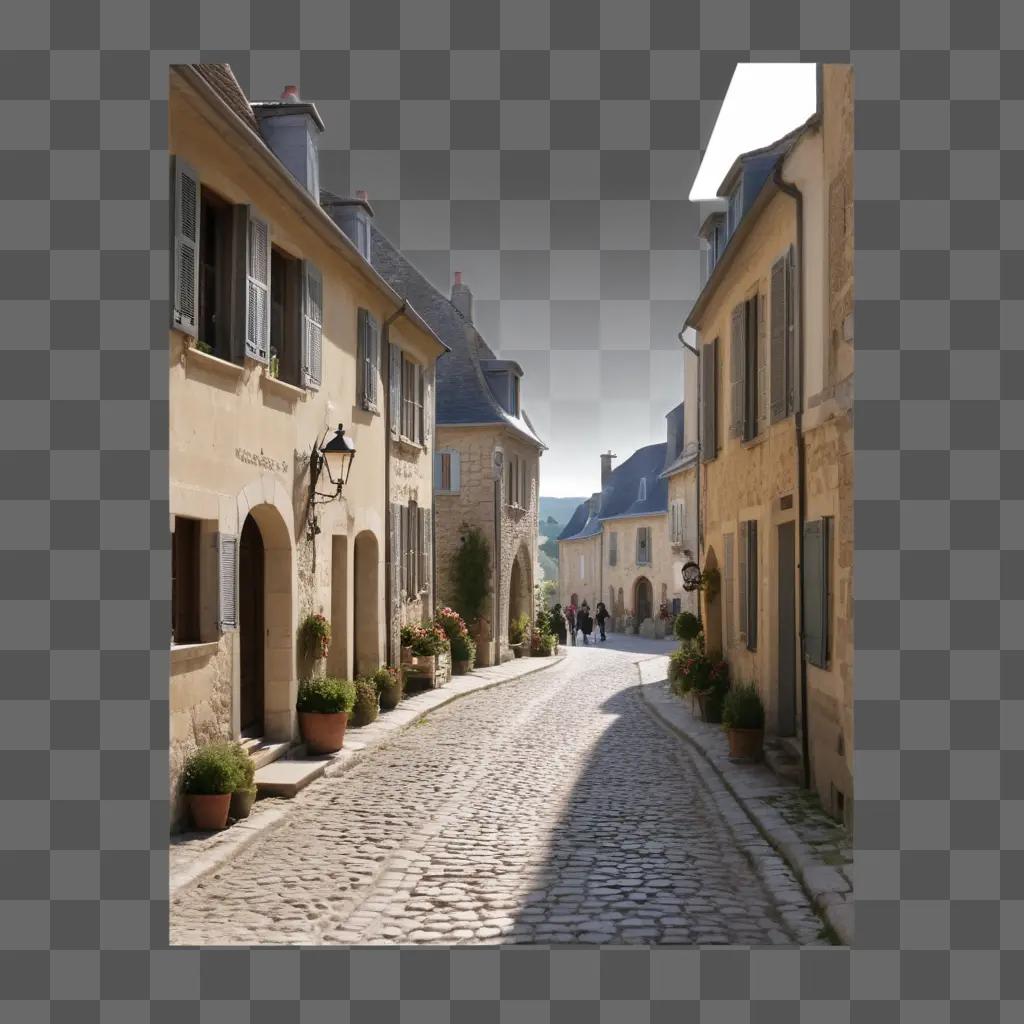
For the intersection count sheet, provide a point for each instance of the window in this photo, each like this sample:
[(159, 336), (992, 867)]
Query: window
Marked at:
[(524, 490), (678, 522), (185, 580), (727, 591), (816, 585), (368, 364), (643, 545), (643, 489), (412, 400), (285, 315), (708, 401), (583, 568), (735, 209), (748, 583), (215, 273), (516, 481), (783, 337), (613, 548), (447, 471), (745, 382), (414, 548)]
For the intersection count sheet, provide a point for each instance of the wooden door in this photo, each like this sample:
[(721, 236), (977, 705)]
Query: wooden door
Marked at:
[(251, 628)]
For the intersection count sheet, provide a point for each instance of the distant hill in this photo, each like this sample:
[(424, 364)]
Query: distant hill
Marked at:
[(560, 509)]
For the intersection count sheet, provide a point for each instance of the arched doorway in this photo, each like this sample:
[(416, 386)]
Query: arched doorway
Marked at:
[(266, 641), (643, 599), (520, 586), (251, 629), (366, 626), (712, 603)]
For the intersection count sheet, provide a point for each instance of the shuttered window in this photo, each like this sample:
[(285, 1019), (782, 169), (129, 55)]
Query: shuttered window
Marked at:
[(728, 609), (643, 545), (423, 559), (368, 330), (412, 400), (747, 385), (185, 314), (748, 583), (816, 590), (783, 337), (227, 574), (257, 289), (447, 471), (613, 548), (185, 580), (709, 400), (737, 370), (395, 388)]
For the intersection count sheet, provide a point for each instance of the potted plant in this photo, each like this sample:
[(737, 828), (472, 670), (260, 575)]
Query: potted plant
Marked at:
[(209, 778), (710, 683), (389, 687), (367, 703), (324, 706), (463, 654), (743, 720), (244, 794), (686, 627), (518, 628)]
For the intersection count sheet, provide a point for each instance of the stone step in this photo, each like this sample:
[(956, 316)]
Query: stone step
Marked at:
[(263, 752), (286, 777)]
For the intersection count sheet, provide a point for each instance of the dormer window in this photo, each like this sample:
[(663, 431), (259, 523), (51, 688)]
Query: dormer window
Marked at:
[(362, 234), (643, 489), (735, 208), (515, 395)]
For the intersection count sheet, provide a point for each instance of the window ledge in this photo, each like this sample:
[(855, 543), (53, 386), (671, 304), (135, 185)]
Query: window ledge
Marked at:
[(182, 654), (280, 387), (753, 442), (407, 444), (213, 363)]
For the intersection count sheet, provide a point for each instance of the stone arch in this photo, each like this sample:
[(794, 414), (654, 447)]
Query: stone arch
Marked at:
[(520, 588), (712, 607), (366, 657), (263, 517), (643, 599)]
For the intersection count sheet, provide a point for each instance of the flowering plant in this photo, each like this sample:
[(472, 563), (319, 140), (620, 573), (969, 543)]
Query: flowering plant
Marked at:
[(452, 623), (316, 631), (663, 612), (425, 641)]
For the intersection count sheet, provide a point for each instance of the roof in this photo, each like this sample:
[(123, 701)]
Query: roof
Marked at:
[(684, 461), (620, 497), (222, 80), (464, 397)]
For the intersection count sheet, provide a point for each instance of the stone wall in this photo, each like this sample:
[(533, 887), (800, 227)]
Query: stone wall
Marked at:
[(570, 580)]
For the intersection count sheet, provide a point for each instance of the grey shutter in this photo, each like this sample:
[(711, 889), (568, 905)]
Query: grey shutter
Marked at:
[(372, 359), (396, 555), (186, 249), (257, 289), (362, 340), (737, 371), (779, 369), (424, 571), (709, 400), (752, 585), (312, 326), (792, 305), (227, 580), (727, 603), (742, 554), (813, 590), (395, 387), (428, 405), (455, 471), (763, 375)]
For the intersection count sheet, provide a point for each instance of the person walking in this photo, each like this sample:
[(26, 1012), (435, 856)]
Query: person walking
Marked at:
[(586, 622), (558, 622), (601, 618), (570, 618)]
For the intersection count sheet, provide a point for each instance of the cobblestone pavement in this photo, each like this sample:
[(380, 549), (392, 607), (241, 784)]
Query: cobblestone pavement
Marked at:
[(550, 809)]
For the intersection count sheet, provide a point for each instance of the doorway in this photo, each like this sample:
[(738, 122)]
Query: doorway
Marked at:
[(787, 630), (251, 629), (643, 599), (366, 633)]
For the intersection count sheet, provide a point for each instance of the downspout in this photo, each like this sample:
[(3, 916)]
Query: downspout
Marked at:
[(698, 466), (801, 457), (497, 564), (386, 354)]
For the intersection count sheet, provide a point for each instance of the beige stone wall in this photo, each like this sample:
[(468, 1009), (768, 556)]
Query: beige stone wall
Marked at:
[(473, 505), (580, 578), (625, 574), (682, 487)]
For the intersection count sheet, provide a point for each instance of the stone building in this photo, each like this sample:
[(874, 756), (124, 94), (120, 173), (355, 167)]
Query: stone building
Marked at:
[(775, 336), (487, 463), (280, 326), (681, 474)]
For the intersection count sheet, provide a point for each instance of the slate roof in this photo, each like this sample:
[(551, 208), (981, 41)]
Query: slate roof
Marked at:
[(222, 80), (620, 496), (463, 395)]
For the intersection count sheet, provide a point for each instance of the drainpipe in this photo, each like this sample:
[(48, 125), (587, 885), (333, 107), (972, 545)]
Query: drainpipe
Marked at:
[(691, 348), (497, 565), (386, 357), (801, 457)]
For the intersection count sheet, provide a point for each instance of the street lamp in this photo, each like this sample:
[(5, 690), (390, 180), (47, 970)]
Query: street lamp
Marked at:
[(336, 457)]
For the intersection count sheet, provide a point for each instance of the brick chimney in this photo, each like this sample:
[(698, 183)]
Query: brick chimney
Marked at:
[(606, 467), (462, 297)]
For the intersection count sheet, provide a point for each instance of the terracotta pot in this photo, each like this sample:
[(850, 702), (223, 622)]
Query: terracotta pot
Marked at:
[(461, 667), (323, 733), (209, 812), (241, 803), (746, 743)]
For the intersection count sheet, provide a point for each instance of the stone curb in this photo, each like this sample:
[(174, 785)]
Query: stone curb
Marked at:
[(822, 882), (227, 845)]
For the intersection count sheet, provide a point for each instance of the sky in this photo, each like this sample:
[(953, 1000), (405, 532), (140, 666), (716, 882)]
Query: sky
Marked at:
[(763, 103)]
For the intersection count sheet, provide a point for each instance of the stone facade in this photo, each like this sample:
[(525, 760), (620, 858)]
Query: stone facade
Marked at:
[(579, 571), (476, 448)]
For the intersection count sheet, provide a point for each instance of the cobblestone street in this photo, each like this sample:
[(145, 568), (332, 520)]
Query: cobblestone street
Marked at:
[(550, 809)]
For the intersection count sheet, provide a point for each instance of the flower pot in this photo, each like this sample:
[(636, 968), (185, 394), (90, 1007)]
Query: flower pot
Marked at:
[(460, 667), (323, 733), (745, 743), (517, 649), (241, 803), (209, 812), (390, 697), (710, 706)]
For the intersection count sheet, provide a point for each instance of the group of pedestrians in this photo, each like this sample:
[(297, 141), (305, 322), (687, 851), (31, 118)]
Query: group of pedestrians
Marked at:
[(574, 621)]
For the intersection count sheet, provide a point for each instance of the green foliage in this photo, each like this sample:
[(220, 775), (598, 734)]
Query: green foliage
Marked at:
[(212, 770), (326, 696), (546, 592), (246, 768), (471, 574), (518, 628), (687, 626), (425, 641), (742, 708), (315, 632), (464, 648), (366, 703), (204, 347), (711, 583), (390, 686)]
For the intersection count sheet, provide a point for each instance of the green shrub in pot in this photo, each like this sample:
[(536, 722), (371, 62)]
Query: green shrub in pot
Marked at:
[(210, 775), (389, 687), (367, 703), (326, 696), (687, 627)]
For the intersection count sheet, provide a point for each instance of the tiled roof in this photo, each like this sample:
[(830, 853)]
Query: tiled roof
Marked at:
[(576, 522), (222, 80), (463, 395)]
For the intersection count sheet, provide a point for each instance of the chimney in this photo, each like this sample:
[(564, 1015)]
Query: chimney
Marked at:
[(462, 297), (353, 217), (291, 127), (606, 467)]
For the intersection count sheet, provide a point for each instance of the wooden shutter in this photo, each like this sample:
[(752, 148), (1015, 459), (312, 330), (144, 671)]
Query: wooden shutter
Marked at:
[(708, 400), (779, 346), (312, 326), (257, 288), (813, 590), (728, 608), (763, 376), (421, 384), (456, 470), (227, 577), (752, 585), (395, 387), (362, 356), (428, 406), (404, 546), (187, 219), (792, 305), (737, 371), (742, 553), (373, 360), (424, 572), (395, 524)]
